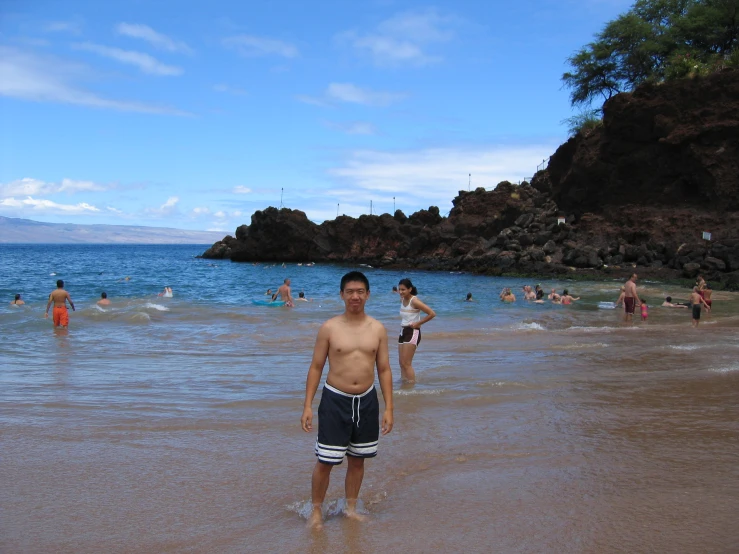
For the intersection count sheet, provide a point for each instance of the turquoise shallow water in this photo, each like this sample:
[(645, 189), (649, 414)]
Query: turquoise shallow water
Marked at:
[(171, 424)]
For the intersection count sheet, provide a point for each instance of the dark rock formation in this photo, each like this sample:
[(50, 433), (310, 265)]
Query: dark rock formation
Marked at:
[(637, 192), (664, 144)]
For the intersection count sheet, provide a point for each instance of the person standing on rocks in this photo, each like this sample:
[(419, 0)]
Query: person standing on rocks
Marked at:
[(410, 327), (631, 298), (349, 412)]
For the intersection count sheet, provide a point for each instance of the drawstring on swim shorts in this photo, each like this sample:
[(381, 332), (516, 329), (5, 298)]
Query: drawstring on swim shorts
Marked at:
[(359, 400), (358, 397)]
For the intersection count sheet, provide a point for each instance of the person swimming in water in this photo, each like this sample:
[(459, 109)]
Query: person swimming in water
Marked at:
[(103, 299), (668, 303), (469, 297), (566, 298), (17, 301)]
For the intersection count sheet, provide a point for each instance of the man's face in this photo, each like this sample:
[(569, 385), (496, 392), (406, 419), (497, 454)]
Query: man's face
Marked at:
[(355, 295), (633, 277)]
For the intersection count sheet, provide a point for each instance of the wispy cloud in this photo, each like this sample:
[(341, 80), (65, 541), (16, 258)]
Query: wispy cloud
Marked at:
[(33, 187), (432, 175), (145, 62), (353, 128), (30, 77), (73, 27), (228, 89), (168, 208), (404, 39), (241, 190), (253, 46), (47, 206), (352, 94), (200, 210), (158, 40)]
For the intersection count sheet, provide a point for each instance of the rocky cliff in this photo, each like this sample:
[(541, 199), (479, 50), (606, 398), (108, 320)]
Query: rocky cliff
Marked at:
[(636, 192)]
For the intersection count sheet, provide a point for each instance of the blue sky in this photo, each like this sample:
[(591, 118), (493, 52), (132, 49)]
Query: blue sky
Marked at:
[(195, 115)]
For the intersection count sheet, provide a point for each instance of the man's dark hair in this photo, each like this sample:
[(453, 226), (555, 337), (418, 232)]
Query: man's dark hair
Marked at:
[(17, 296), (301, 294), (668, 299), (60, 284), (104, 295), (357, 276)]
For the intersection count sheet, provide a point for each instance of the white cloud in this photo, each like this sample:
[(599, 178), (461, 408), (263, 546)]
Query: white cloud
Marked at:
[(404, 38), (74, 27), (241, 190), (48, 206), (218, 229), (252, 46), (229, 89), (32, 187), (352, 94), (158, 40), (168, 208), (220, 215), (144, 62), (236, 213), (432, 175), (114, 210), (347, 92), (354, 128), (44, 79)]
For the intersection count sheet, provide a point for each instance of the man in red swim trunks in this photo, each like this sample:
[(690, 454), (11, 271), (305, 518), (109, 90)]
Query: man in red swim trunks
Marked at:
[(631, 299), (59, 297)]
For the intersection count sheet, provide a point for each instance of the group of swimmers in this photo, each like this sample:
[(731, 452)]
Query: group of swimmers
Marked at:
[(700, 296), (60, 297), (535, 295)]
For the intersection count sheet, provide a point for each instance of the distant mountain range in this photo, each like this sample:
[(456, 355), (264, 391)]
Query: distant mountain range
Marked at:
[(15, 230)]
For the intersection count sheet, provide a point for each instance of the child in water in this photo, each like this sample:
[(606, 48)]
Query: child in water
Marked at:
[(644, 310)]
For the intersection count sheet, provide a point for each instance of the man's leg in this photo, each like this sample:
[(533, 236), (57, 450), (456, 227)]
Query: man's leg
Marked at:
[(319, 486), (352, 484)]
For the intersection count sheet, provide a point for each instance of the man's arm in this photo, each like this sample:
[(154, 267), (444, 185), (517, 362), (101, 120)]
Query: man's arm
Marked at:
[(384, 375), (47, 306), (70, 301), (320, 353)]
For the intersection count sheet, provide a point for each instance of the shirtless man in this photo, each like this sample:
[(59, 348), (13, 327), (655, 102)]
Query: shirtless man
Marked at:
[(554, 297), (103, 299), (17, 301), (631, 299), (354, 344), (59, 297), (285, 294), (696, 300)]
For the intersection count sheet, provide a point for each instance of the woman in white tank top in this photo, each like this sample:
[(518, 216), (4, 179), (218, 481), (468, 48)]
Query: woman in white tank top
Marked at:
[(410, 327)]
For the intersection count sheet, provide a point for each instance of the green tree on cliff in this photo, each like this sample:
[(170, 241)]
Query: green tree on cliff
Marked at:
[(653, 41)]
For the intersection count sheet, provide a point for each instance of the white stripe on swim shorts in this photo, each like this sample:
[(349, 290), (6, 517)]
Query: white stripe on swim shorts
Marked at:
[(352, 396)]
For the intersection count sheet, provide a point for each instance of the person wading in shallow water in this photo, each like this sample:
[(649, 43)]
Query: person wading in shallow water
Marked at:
[(631, 299), (60, 297), (348, 415), (410, 327)]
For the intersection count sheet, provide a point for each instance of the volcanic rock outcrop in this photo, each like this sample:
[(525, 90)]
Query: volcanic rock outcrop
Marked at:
[(636, 192)]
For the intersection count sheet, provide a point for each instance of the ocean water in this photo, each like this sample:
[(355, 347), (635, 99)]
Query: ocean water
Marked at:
[(172, 424)]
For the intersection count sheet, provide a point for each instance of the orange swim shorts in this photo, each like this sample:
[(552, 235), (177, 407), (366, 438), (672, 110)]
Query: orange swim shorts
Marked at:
[(61, 316)]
